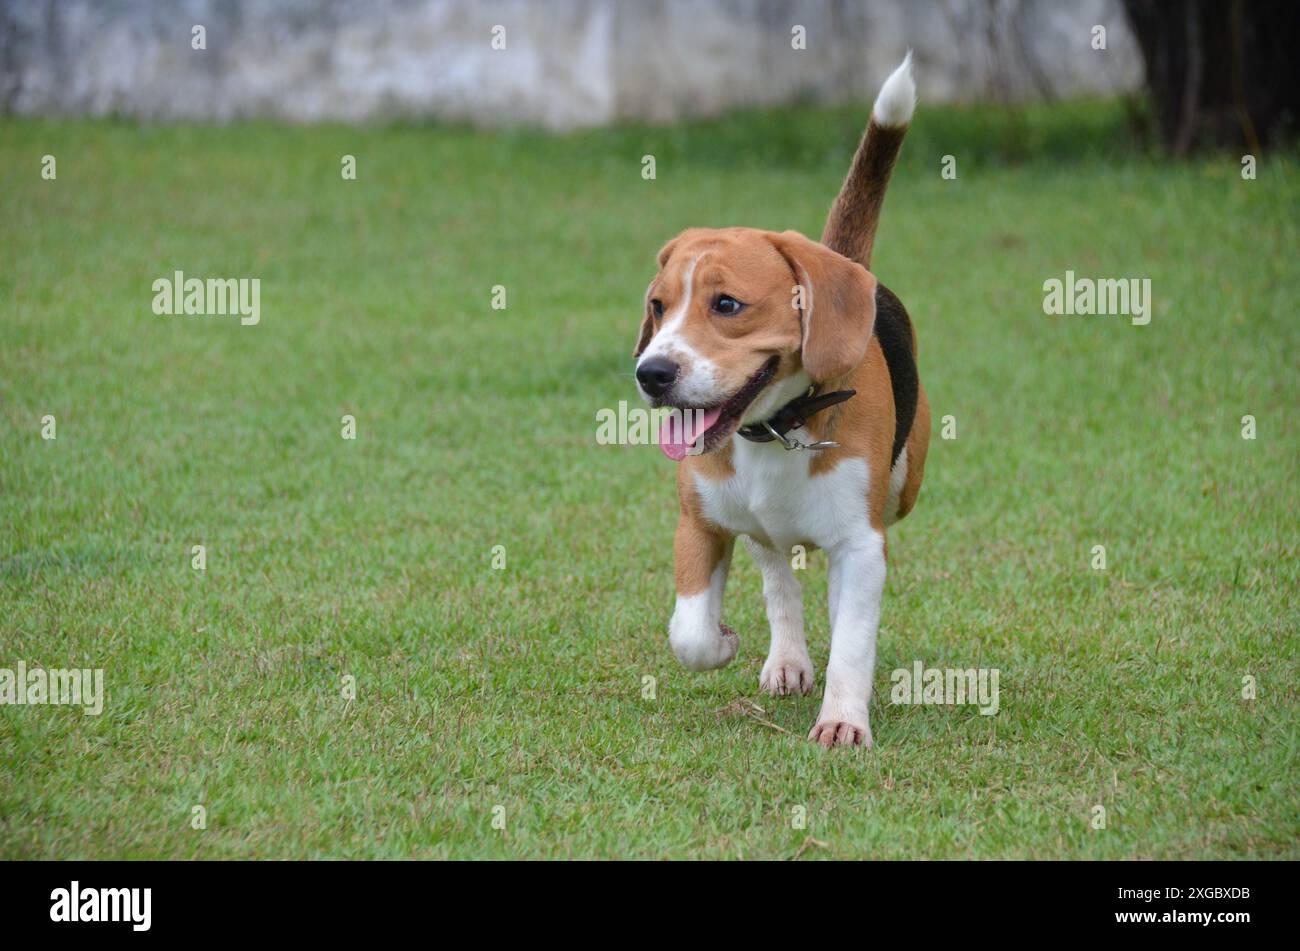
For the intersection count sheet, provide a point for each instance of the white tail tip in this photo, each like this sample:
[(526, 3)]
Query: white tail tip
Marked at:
[(897, 100)]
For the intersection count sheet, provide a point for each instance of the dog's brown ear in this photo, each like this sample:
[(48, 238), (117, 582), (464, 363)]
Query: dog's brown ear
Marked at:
[(647, 326), (647, 322), (839, 305), (666, 252)]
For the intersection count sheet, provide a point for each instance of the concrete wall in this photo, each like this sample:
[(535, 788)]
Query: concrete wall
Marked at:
[(566, 62)]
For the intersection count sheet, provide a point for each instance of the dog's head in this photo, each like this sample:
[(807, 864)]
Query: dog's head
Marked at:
[(739, 322)]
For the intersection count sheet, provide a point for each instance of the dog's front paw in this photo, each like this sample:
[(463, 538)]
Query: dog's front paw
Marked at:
[(838, 726), (730, 644), (786, 676), (704, 651), (841, 733)]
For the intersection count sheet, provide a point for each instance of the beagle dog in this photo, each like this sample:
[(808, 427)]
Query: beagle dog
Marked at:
[(806, 424)]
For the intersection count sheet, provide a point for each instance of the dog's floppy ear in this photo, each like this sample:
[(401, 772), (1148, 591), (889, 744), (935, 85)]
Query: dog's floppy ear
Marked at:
[(647, 326), (647, 322), (839, 305), (667, 250)]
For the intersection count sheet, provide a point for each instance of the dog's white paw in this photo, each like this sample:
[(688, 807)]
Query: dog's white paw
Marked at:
[(841, 723), (841, 733), (705, 651), (786, 676)]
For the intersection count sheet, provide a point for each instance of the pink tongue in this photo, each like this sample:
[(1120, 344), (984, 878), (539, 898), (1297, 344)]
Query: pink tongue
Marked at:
[(683, 427)]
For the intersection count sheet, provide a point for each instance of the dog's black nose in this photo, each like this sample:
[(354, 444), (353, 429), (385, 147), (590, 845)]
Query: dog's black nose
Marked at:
[(656, 375)]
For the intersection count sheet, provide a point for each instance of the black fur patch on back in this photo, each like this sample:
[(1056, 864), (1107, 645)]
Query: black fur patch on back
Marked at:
[(894, 331)]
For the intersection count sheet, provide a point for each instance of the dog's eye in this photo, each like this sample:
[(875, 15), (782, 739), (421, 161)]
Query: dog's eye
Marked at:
[(657, 306), (727, 306)]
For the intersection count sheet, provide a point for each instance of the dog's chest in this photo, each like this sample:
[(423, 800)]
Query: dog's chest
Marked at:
[(774, 499)]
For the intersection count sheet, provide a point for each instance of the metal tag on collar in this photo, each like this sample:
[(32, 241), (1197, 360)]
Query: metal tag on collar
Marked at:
[(796, 444)]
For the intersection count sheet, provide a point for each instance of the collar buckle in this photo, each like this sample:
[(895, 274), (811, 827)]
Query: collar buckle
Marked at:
[(789, 443)]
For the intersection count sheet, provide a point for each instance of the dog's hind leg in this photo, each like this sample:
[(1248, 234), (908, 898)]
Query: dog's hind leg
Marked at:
[(703, 558), (788, 669)]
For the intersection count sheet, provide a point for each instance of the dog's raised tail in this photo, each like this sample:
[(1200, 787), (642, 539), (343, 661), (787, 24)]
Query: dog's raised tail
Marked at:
[(851, 225)]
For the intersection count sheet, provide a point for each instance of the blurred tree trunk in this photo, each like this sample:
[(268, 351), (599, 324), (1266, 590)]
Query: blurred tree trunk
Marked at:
[(1220, 72)]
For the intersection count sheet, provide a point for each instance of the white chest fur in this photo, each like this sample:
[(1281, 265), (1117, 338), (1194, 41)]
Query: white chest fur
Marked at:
[(776, 501)]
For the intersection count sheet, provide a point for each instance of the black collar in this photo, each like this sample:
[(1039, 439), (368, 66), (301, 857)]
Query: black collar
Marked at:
[(793, 415)]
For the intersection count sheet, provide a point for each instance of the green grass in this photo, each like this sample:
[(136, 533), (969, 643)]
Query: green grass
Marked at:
[(522, 688)]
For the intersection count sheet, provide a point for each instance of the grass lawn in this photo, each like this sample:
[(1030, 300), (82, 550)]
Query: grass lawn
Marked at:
[(523, 688)]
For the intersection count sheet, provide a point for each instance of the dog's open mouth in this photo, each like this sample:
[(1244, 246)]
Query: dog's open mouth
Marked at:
[(696, 430)]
